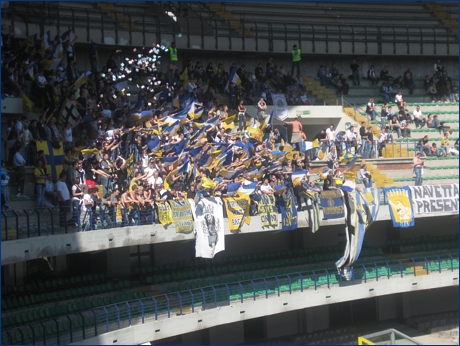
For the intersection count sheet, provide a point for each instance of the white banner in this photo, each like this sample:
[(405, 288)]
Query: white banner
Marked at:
[(430, 199), (281, 107), (209, 226)]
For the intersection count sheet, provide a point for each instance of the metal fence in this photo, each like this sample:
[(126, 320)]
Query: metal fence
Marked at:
[(28, 223), (80, 325)]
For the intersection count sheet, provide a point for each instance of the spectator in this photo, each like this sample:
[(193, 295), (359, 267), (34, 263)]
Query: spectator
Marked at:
[(364, 176), (382, 141), (453, 95), (351, 140), (433, 123), (445, 147), (409, 80), (296, 132), (295, 59), (5, 178), (435, 151), (40, 176), (19, 163), (370, 109), (384, 92), (324, 79), (355, 73), (418, 117), (63, 198), (385, 75), (432, 92), (418, 169), (423, 146), (372, 76)]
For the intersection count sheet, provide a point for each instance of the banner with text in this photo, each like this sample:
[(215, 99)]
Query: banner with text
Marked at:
[(237, 211), (399, 202), (332, 204), (182, 216), (430, 199), (209, 225), (288, 214), (267, 212), (164, 213)]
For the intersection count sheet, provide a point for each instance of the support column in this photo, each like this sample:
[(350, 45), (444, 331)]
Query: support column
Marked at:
[(317, 318)]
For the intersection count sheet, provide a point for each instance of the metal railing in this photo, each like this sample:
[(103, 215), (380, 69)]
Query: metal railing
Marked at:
[(84, 324)]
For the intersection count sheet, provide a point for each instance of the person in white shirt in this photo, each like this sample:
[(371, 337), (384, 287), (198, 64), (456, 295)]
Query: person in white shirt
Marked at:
[(350, 139), (50, 193), (364, 176), (87, 207), (266, 189), (19, 163), (191, 86), (330, 136), (64, 199), (418, 117), (382, 141), (155, 180)]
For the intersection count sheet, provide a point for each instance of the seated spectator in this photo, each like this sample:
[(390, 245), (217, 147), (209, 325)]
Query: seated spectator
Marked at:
[(382, 141), (445, 144), (399, 99), (436, 152), (370, 109), (342, 86), (433, 123), (321, 74), (418, 117), (453, 92), (372, 76), (364, 176), (395, 125), (432, 92), (423, 146), (398, 82), (384, 74)]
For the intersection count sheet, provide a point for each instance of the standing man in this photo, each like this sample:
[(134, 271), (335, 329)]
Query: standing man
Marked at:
[(355, 72), (296, 132), (173, 53), (418, 169), (295, 60), (330, 136), (19, 163), (64, 199)]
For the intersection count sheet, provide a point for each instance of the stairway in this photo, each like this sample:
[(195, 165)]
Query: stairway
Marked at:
[(113, 13), (322, 94), (443, 15), (380, 179), (220, 10)]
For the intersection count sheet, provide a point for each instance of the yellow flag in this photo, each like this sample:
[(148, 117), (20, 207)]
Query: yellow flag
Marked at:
[(230, 120), (208, 183), (27, 104), (184, 76)]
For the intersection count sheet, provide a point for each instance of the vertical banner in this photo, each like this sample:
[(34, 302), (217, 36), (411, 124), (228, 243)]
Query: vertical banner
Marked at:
[(400, 204), (332, 204), (281, 108), (164, 213), (313, 209), (361, 211), (266, 210), (429, 199), (209, 225), (237, 211), (288, 213), (182, 216)]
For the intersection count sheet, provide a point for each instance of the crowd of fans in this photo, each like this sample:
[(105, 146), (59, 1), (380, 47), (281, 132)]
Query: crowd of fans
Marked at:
[(149, 151)]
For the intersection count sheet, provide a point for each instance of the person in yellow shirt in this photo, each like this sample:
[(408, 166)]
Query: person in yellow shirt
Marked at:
[(40, 184), (445, 143), (295, 60)]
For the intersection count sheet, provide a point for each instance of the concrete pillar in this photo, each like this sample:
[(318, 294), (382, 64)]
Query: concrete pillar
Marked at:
[(387, 307), (317, 318), (405, 305), (232, 333), (194, 338), (283, 324), (60, 264), (118, 262)]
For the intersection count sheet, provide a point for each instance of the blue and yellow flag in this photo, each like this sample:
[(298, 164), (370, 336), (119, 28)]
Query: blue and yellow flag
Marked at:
[(288, 213), (54, 158), (332, 204), (349, 159), (399, 202)]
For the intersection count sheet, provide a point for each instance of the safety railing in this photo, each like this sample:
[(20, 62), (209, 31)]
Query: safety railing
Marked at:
[(26, 223), (84, 324)]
